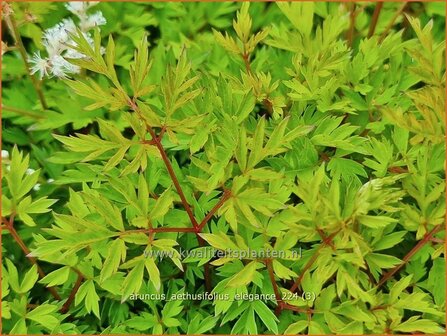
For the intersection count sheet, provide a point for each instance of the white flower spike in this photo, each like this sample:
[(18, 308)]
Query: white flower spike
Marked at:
[(39, 65), (59, 44)]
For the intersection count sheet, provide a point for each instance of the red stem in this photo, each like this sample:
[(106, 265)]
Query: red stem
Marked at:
[(279, 301), (408, 256), (298, 309), (325, 239), (157, 142), (73, 292), (9, 226), (171, 172), (206, 270), (167, 229), (375, 17), (350, 33), (246, 58), (159, 230), (225, 197), (196, 227), (312, 260), (391, 23)]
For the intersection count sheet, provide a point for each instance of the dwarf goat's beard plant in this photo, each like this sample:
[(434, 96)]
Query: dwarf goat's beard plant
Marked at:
[(279, 176)]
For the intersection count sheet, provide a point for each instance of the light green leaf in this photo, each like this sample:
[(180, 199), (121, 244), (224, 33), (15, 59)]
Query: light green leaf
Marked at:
[(244, 276), (57, 277)]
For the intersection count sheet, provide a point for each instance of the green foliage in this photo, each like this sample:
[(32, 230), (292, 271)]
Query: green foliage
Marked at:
[(226, 168)]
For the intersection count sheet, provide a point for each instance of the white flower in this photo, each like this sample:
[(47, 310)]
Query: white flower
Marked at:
[(79, 8), (71, 53), (59, 44), (36, 187), (61, 67), (54, 39), (76, 6), (68, 25), (50, 180), (30, 171), (5, 154), (96, 19), (57, 37), (39, 64)]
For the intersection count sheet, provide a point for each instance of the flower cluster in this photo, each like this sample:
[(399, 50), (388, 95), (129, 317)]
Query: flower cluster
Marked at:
[(59, 45)]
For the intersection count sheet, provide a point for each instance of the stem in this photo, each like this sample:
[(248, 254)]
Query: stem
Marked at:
[(174, 178), (157, 142), (391, 23), (206, 270), (225, 197), (385, 306), (167, 229), (266, 101), (22, 112), (279, 301), (158, 230), (16, 35), (312, 260), (246, 58), (369, 274), (375, 17), (325, 239), (410, 254), (298, 309), (134, 231), (196, 227), (9, 226), (73, 292), (350, 33)]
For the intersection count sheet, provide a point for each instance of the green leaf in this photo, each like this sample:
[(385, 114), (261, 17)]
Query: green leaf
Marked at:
[(257, 145), (110, 212), (13, 276), (300, 14), (219, 241), (283, 272), (296, 328), (389, 241), (115, 255), (200, 325), (134, 279), (41, 205), (268, 318), (375, 222), (116, 158), (399, 287), (57, 277), (154, 273), (19, 328), (162, 205), (43, 315), (244, 276), (413, 325), (354, 312), (29, 280), (436, 281), (87, 292), (382, 260)]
